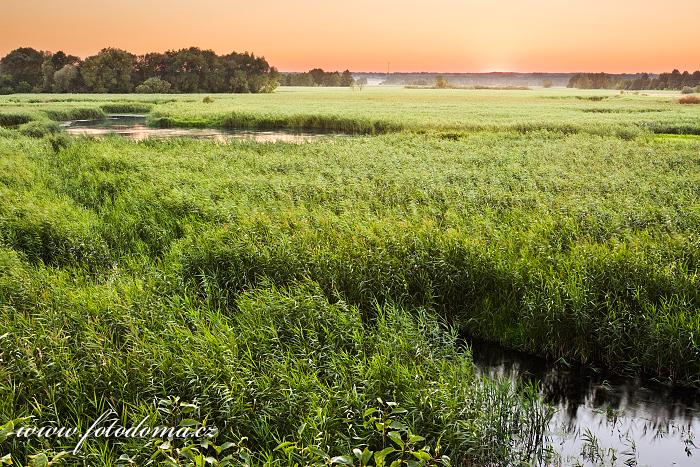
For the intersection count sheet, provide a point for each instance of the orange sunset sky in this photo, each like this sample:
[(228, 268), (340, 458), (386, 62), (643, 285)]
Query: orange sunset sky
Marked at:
[(363, 35)]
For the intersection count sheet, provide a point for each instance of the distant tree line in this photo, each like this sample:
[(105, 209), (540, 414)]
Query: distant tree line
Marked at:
[(673, 80), (118, 71), (318, 77)]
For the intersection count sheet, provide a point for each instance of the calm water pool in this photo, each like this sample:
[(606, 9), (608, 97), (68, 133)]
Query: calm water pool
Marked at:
[(134, 127), (659, 421)]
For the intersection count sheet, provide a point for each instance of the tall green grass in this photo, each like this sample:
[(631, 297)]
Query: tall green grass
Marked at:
[(235, 120), (569, 246), (282, 365), (13, 119)]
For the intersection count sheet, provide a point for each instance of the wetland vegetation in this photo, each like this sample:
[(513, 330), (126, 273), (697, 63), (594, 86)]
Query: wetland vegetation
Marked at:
[(309, 299)]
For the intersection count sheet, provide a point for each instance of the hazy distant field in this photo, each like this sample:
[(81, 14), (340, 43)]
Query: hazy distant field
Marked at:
[(283, 288)]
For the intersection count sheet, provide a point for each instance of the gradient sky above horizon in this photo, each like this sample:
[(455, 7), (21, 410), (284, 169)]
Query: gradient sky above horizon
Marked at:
[(366, 35)]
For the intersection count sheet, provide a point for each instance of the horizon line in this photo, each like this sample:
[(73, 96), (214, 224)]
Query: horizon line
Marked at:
[(340, 69), (493, 72)]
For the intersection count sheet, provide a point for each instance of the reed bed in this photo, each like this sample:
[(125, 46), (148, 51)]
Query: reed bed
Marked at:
[(302, 298)]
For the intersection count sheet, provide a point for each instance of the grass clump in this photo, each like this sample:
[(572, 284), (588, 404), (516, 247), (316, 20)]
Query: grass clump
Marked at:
[(689, 100), (51, 231), (38, 128), (126, 107), (74, 113), (12, 120)]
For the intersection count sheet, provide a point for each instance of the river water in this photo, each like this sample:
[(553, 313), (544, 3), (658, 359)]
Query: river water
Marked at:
[(652, 423)]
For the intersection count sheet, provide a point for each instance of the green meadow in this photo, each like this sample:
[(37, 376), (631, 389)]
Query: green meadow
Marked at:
[(379, 110), (310, 300)]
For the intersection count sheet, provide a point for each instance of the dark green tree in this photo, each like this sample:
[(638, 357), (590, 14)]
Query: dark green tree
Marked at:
[(675, 80), (109, 71), (154, 85), (346, 79), (53, 63), (23, 65), (66, 79), (440, 82), (114, 70), (317, 75)]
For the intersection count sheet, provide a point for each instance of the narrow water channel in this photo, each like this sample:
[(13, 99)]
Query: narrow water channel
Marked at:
[(135, 127), (650, 422)]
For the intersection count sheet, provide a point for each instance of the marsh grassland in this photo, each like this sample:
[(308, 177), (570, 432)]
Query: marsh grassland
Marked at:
[(308, 299)]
